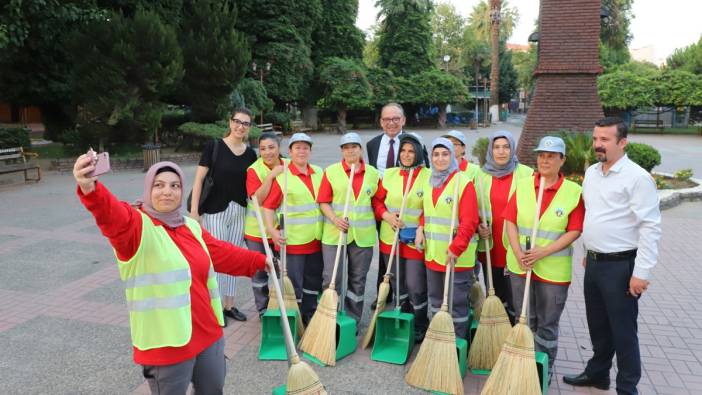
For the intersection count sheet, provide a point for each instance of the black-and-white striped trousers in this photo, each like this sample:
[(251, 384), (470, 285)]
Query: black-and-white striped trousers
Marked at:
[(227, 225)]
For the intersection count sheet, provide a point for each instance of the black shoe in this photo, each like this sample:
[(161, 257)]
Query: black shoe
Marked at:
[(235, 313), (583, 380), (419, 337), (261, 313), (225, 322), (374, 305)]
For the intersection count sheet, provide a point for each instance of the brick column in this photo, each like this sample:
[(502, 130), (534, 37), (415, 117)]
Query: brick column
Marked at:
[(565, 94)]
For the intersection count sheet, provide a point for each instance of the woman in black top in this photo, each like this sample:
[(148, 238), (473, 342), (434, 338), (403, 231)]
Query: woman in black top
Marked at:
[(224, 211)]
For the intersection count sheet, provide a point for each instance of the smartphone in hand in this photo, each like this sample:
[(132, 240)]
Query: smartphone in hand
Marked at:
[(101, 162)]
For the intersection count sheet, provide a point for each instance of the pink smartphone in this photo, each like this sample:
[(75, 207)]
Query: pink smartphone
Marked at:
[(101, 162)]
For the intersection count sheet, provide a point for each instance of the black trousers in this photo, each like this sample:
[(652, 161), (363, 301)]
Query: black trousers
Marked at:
[(503, 289), (611, 318)]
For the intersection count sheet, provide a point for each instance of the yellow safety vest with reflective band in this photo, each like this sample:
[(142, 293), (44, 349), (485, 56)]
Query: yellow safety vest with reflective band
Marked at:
[(392, 182), (157, 283), (471, 170), (556, 267), (521, 171), (251, 226), (304, 218), (437, 224), (362, 227)]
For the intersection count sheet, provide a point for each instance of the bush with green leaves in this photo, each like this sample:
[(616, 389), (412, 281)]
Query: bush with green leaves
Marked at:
[(579, 152), (643, 155), (14, 137), (480, 150), (278, 118), (683, 174), (212, 130)]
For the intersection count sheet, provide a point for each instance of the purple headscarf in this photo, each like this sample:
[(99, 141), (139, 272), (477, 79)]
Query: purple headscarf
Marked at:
[(173, 218)]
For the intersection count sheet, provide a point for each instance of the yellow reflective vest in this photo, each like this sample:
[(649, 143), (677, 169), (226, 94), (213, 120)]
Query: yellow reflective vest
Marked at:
[(393, 184), (556, 267), (157, 283), (251, 225), (304, 217)]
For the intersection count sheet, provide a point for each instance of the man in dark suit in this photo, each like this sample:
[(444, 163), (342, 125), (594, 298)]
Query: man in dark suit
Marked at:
[(383, 153)]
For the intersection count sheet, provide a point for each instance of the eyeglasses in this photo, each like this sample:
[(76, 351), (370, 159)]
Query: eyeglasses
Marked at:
[(242, 123), (393, 120)]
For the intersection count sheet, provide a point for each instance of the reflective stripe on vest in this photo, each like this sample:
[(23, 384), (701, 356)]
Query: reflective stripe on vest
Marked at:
[(362, 228), (437, 224), (157, 282), (393, 184), (304, 217), (556, 267), (521, 171)]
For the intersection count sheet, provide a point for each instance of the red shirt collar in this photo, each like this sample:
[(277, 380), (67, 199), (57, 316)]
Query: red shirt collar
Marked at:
[(347, 168), (463, 165), (294, 171), (280, 163), (554, 187), (416, 171)]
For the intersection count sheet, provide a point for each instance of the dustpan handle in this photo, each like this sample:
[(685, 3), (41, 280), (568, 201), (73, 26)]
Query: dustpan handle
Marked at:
[(289, 343), (397, 280), (344, 275)]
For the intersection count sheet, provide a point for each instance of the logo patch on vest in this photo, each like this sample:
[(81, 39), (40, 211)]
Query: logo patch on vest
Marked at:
[(368, 191), (559, 212), (449, 199), (420, 193)]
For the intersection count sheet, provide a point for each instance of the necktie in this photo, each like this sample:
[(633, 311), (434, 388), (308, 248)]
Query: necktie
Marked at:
[(391, 155)]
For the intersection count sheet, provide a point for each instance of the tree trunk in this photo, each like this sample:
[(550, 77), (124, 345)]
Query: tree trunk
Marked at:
[(309, 116), (442, 116), (495, 10), (341, 120)]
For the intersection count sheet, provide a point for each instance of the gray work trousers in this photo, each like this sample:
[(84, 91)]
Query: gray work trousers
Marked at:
[(546, 303), (461, 287), (359, 260), (206, 371), (305, 273), (259, 282), (413, 286)]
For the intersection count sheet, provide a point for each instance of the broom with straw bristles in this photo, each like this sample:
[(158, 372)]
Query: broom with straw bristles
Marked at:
[(302, 379), (384, 288), (436, 366), (515, 370), (319, 339), (476, 297), (494, 324)]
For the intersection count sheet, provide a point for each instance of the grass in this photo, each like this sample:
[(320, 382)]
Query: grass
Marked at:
[(117, 151)]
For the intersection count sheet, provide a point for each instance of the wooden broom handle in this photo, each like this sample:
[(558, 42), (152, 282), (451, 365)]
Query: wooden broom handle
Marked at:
[(537, 214), (349, 190), (397, 231), (284, 248), (487, 241), (454, 213), (278, 293)]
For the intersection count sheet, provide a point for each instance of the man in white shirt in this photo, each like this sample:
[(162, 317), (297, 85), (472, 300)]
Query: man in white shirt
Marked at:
[(621, 234)]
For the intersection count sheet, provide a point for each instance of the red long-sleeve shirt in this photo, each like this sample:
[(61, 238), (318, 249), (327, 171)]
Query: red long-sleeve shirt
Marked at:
[(275, 199), (121, 224), (378, 203), (467, 222), (575, 218), (252, 185)]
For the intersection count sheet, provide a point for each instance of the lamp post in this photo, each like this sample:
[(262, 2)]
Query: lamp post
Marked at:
[(477, 86), (447, 58), (260, 73)]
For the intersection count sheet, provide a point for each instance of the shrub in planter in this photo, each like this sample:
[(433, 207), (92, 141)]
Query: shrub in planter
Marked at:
[(480, 150), (683, 175), (278, 118), (643, 155), (579, 152), (14, 137)]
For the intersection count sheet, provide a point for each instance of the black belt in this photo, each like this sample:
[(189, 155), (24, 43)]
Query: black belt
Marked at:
[(610, 256)]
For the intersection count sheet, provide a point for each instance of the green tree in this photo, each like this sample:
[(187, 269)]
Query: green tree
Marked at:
[(35, 63), (614, 33), (123, 68), (447, 27), (525, 64), (216, 57), (254, 96), (280, 32), (480, 21), (509, 78), (678, 88), (404, 42), (336, 34), (435, 87), (345, 87), (688, 58), (624, 90)]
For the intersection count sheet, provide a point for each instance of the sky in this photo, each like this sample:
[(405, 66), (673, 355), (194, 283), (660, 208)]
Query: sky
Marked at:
[(665, 25)]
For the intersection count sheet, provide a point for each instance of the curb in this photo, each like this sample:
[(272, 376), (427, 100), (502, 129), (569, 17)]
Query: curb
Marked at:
[(670, 198)]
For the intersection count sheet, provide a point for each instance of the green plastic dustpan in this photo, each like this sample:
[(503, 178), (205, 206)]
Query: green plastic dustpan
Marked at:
[(394, 337), (272, 347), (345, 338)]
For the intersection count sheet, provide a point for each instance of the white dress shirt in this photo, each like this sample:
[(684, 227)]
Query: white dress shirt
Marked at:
[(383, 151), (622, 213)]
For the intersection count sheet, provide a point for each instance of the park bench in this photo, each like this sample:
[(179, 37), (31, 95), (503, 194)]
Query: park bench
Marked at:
[(14, 160), (297, 127), (268, 128), (648, 123)]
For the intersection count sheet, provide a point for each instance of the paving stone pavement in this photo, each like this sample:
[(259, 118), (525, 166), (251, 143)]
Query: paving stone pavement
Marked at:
[(64, 326)]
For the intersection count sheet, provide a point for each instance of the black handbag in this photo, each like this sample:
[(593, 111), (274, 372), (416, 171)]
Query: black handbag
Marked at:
[(207, 183)]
